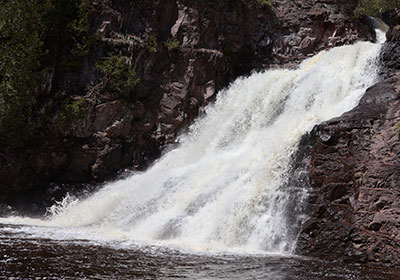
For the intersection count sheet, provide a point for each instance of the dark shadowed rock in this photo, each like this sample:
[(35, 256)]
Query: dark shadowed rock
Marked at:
[(215, 42)]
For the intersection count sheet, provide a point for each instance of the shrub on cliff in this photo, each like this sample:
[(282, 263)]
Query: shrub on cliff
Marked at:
[(375, 8), (397, 128), (118, 75), (265, 3), (76, 38), (172, 43)]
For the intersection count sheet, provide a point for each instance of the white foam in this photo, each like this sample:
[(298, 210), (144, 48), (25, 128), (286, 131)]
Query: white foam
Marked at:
[(225, 187)]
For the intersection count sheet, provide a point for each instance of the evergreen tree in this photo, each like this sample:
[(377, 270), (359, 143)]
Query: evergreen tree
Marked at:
[(21, 46)]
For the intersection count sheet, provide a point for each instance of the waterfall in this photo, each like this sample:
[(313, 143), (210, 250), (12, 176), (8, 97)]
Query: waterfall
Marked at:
[(225, 187)]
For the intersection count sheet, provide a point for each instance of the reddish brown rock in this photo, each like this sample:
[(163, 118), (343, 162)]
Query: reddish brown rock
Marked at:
[(218, 41), (354, 175)]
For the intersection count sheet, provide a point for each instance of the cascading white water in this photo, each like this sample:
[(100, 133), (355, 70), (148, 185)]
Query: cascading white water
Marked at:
[(225, 187)]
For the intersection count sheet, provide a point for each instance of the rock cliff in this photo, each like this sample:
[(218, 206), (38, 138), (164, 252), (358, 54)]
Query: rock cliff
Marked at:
[(182, 52), (353, 164)]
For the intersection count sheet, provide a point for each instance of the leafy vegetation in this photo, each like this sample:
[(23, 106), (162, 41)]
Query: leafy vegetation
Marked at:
[(264, 3), (22, 31), (118, 75), (152, 44), (397, 128), (31, 32), (79, 41), (375, 8), (172, 43), (70, 111)]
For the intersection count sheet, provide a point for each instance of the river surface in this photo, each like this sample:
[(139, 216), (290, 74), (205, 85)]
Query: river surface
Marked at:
[(27, 256)]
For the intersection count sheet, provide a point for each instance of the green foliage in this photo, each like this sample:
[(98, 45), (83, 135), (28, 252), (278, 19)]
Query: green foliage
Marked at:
[(264, 3), (172, 43), (397, 128), (22, 31), (70, 111), (375, 8), (152, 44), (118, 75), (32, 33), (79, 41)]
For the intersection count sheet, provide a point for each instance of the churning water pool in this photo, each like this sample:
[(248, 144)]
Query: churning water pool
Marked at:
[(26, 256)]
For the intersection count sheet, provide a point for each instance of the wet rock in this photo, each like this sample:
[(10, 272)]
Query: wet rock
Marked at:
[(6, 210), (310, 226), (354, 179), (325, 137)]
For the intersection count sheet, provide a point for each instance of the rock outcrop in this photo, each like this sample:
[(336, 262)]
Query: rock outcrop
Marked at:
[(354, 175), (183, 52)]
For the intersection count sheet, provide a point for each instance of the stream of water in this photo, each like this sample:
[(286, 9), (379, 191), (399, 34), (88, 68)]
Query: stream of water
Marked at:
[(219, 206)]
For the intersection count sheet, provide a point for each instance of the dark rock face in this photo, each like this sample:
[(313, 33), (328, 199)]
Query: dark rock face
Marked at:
[(354, 175), (218, 41), (353, 161)]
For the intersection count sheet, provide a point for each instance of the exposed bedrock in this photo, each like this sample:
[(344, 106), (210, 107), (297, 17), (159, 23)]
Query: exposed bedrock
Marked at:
[(183, 52), (354, 175)]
